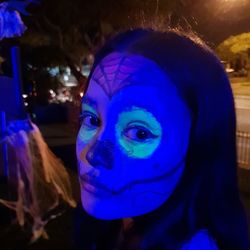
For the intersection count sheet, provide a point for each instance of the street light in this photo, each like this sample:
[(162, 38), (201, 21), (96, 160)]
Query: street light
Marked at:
[(236, 1)]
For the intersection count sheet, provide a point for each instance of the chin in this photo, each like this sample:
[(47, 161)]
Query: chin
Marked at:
[(112, 209), (102, 209)]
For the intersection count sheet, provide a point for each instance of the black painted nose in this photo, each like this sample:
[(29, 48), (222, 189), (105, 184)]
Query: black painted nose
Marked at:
[(101, 154)]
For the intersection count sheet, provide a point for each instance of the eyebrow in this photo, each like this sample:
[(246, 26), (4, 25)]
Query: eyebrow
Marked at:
[(89, 101)]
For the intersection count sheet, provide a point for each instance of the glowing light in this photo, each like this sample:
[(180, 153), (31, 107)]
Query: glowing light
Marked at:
[(81, 94), (53, 71), (24, 95), (235, 1), (66, 78)]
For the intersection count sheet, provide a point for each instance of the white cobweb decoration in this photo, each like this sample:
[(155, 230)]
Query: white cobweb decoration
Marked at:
[(41, 182)]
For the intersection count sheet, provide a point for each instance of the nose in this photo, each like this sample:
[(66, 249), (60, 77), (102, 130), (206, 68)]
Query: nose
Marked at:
[(101, 154)]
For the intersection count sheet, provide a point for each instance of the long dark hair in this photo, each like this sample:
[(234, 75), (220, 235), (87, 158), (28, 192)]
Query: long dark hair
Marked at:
[(207, 196)]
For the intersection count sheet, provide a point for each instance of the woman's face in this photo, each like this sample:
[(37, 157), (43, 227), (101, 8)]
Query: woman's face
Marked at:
[(133, 138)]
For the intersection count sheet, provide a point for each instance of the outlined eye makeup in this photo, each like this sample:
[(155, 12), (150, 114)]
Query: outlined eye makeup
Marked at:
[(138, 132), (89, 120), (89, 123)]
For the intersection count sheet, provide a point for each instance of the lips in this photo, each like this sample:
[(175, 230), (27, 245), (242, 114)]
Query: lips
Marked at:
[(91, 185)]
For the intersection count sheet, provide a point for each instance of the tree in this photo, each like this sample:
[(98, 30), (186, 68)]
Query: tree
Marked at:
[(64, 32), (235, 49)]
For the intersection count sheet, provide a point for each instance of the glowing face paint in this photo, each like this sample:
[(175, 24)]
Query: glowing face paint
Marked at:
[(89, 126), (130, 163), (115, 73), (138, 132)]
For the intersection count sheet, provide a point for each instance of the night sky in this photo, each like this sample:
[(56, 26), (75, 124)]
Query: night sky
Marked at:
[(215, 20)]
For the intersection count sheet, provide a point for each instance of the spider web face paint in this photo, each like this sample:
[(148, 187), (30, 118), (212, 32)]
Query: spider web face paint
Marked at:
[(134, 135), (116, 71)]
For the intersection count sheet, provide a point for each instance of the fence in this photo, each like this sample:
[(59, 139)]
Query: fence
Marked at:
[(243, 149)]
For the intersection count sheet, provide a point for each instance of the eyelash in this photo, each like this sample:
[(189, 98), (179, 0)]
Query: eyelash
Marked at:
[(134, 136), (127, 132), (84, 115)]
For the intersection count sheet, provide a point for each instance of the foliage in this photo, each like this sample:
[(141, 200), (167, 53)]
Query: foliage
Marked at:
[(66, 32), (234, 47)]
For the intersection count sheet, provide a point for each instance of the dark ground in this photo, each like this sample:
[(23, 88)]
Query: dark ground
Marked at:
[(61, 229)]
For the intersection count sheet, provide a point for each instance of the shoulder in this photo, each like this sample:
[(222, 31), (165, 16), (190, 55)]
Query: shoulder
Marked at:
[(201, 240)]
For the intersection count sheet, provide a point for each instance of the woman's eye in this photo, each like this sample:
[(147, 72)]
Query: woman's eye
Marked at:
[(89, 120), (139, 134)]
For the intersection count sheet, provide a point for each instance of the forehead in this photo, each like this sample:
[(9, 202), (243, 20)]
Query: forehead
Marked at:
[(118, 70)]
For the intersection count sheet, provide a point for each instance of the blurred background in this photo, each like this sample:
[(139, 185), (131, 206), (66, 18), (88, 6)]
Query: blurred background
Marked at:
[(57, 51)]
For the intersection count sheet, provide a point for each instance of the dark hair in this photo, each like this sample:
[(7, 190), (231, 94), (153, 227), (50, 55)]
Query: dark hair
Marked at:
[(207, 195)]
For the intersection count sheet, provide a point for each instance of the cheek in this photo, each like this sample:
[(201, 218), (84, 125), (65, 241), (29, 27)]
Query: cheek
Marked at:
[(163, 162), (79, 149), (85, 135), (84, 138), (138, 150), (81, 146), (133, 170), (174, 145)]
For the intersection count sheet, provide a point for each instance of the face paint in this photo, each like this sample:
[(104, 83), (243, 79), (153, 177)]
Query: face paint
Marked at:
[(89, 123), (115, 73), (138, 132), (131, 155)]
